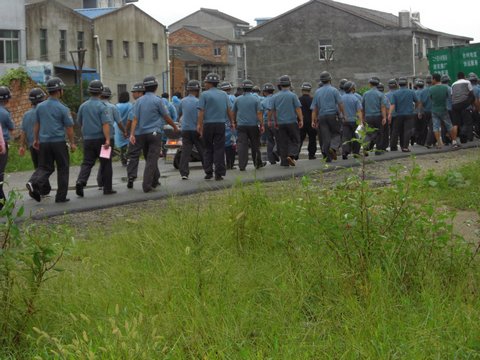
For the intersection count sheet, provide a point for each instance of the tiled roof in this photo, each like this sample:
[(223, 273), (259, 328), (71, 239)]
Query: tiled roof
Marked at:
[(204, 33)]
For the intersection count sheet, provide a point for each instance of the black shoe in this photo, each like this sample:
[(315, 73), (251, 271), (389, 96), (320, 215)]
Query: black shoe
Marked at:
[(345, 157), (156, 184), (242, 169), (218, 177), (291, 161), (79, 189), (59, 201), (312, 157), (378, 152), (130, 183), (109, 192), (263, 164), (33, 193), (208, 177)]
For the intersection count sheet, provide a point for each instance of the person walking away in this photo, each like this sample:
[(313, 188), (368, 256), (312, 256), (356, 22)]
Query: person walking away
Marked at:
[(385, 128), (375, 114), (121, 137), (327, 107), (270, 128), (307, 129), (462, 98), (404, 101), (445, 137), (287, 111), (188, 114), (473, 78), (392, 121), (214, 111), (150, 114), (52, 122), (353, 117), (230, 135), (248, 120), (7, 126), (423, 125)]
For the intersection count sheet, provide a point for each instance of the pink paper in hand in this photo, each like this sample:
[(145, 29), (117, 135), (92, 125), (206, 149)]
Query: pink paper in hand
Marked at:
[(105, 153)]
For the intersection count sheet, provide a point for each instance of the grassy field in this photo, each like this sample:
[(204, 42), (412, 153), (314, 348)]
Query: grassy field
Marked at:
[(302, 272)]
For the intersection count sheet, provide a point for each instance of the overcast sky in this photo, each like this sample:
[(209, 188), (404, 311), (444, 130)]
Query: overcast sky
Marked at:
[(451, 17)]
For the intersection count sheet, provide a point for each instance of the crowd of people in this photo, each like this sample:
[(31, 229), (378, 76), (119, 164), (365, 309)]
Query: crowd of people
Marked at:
[(220, 126)]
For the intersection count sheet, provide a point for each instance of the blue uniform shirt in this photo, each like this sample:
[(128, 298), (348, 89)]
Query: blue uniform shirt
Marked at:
[(172, 111), (92, 114), (246, 108), (115, 118), (352, 105), (28, 123), (149, 111), (6, 122), (266, 107), (326, 100), (53, 118), (189, 113), (124, 110), (215, 103), (404, 100), (424, 97), (389, 96), (285, 103), (372, 102), (449, 98), (232, 99)]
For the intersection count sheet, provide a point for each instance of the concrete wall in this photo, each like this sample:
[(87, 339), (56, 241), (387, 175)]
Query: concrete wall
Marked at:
[(132, 25), (13, 18), (74, 4), (207, 22), (54, 17), (289, 45)]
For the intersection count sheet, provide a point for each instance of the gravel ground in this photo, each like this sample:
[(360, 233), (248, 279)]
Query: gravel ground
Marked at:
[(377, 172)]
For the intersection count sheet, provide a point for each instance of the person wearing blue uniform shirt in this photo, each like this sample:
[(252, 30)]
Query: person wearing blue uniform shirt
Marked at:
[(188, 114), (404, 101), (96, 122), (121, 137), (392, 87), (286, 111), (270, 128), (385, 128), (353, 117), (328, 115), (473, 78), (230, 135), (52, 122), (375, 115), (306, 101), (36, 96), (423, 124), (172, 111), (341, 86), (248, 119), (150, 113), (214, 111), (7, 126), (116, 126)]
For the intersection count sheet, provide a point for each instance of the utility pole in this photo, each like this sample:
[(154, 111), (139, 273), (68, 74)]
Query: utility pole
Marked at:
[(79, 67)]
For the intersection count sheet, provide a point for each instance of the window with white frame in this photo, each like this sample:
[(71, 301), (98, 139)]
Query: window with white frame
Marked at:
[(155, 51), (141, 51), (43, 44), (9, 46), (109, 48), (424, 48), (126, 49), (217, 51), (239, 51), (325, 50), (63, 45)]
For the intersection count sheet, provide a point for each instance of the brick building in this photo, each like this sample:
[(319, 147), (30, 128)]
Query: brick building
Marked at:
[(19, 104)]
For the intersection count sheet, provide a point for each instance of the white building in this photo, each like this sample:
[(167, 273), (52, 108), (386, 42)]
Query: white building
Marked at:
[(12, 35)]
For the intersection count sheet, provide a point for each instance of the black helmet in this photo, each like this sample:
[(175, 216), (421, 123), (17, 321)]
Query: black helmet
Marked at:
[(95, 87), (138, 87), (36, 96), (5, 93), (256, 89), (428, 79), (284, 80), (472, 77), (392, 83), (325, 77), (212, 78), (247, 84), (445, 79), (420, 83), (403, 81), (225, 86), (194, 85), (150, 81), (342, 83), (107, 93), (268, 87), (55, 84), (381, 87), (374, 81), (306, 86), (348, 86)]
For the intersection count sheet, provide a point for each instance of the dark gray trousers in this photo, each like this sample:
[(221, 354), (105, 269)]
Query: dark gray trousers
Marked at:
[(91, 152), (3, 165), (374, 135), (214, 143), (151, 145), (330, 132), (189, 139), (248, 137), (349, 145), (272, 150), (402, 127), (288, 142)]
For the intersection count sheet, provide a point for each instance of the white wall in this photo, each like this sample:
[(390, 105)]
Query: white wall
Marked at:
[(13, 18)]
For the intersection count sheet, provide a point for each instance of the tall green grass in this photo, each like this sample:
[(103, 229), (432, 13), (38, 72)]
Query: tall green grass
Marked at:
[(351, 272)]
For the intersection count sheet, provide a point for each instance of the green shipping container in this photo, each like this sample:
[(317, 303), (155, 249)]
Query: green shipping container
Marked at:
[(451, 60)]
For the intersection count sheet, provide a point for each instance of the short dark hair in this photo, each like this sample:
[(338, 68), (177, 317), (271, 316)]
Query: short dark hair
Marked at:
[(437, 77), (124, 97), (151, 88), (165, 95), (461, 75)]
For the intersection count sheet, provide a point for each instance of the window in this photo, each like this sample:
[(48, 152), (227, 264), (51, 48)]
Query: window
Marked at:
[(240, 74), (121, 88), (217, 52), (126, 49), (155, 51), (432, 44), (424, 48), (110, 3), (325, 50), (9, 46), (239, 51), (63, 45), (43, 44), (416, 47), (89, 4), (141, 51), (230, 50), (109, 48), (80, 40)]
